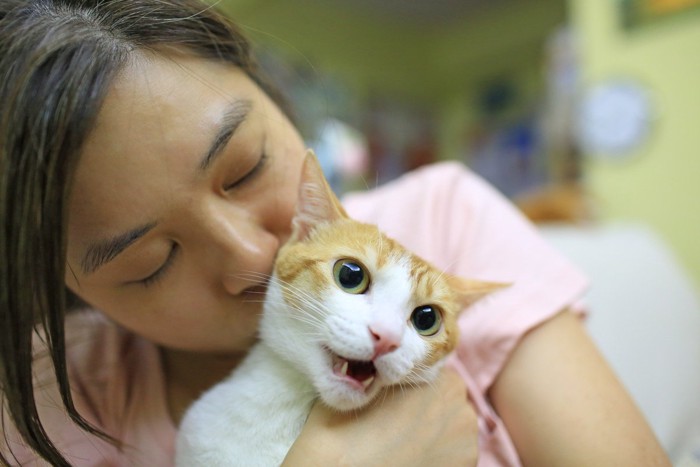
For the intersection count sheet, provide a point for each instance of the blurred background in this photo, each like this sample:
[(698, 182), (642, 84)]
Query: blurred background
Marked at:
[(586, 113), (596, 98)]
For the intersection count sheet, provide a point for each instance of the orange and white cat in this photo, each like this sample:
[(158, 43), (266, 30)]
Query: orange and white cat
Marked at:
[(348, 311)]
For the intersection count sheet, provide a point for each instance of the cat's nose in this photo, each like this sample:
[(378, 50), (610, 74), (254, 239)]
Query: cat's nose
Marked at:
[(385, 339)]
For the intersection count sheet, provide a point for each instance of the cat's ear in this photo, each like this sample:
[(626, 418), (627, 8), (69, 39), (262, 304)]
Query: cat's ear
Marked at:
[(316, 203), (469, 291)]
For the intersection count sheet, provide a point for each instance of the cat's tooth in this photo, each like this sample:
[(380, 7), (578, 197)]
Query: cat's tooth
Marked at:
[(344, 368), (368, 381)]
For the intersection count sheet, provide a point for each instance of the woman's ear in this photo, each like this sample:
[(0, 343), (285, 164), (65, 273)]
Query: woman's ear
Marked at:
[(316, 203)]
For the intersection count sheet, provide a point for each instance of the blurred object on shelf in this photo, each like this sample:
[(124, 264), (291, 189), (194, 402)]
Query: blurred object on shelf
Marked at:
[(523, 140), (507, 152), (564, 203), (401, 137), (563, 82)]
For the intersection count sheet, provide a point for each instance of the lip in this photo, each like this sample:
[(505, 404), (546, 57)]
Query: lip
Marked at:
[(255, 291)]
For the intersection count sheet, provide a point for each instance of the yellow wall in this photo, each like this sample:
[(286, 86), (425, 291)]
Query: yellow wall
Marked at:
[(660, 183)]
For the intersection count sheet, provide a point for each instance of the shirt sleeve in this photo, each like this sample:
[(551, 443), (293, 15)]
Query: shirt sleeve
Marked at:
[(452, 218)]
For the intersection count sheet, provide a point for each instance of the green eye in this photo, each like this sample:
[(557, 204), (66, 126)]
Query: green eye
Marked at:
[(350, 276), (426, 319)]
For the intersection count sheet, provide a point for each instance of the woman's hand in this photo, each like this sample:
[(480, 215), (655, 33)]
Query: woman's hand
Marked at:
[(426, 425)]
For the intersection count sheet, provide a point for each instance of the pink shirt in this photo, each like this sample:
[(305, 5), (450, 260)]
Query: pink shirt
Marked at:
[(443, 212)]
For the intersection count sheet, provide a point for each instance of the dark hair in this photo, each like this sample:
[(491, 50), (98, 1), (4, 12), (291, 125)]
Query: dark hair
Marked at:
[(57, 61)]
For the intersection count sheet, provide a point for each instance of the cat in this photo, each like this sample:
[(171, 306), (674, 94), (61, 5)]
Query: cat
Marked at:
[(347, 312)]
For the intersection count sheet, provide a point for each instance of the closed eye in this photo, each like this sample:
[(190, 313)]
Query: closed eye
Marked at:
[(162, 270), (251, 174)]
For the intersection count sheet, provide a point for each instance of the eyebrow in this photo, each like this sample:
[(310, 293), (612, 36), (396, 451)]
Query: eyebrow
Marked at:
[(104, 251), (233, 117)]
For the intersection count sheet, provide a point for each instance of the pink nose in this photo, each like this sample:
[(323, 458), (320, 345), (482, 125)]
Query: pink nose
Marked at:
[(384, 341)]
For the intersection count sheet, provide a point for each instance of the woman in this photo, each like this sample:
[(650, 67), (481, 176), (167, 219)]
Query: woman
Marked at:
[(145, 166)]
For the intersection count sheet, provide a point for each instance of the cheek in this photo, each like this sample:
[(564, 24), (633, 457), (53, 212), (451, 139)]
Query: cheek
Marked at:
[(196, 325), (189, 318)]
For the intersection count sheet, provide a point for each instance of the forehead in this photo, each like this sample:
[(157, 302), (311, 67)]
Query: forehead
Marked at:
[(156, 122), (162, 105)]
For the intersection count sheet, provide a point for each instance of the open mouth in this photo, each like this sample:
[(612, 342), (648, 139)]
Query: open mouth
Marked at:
[(359, 373)]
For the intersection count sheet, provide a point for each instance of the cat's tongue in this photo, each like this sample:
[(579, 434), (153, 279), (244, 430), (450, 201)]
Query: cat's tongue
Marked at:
[(362, 372)]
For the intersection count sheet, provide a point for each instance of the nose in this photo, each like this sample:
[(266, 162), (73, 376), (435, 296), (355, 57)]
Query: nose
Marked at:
[(386, 337), (242, 248)]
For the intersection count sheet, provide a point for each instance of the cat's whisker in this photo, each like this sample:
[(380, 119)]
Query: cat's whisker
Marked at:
[(385, 394), (309, 302), (403, 390), (420, 370), (303, 295), (443, 271), (315, 325), (308, 305), (249, 274), (380, 241), (430, 382), (252, 276), (425, 382), (307, 318), (416, 380), (421, 375), (258, 293), (312, 306)]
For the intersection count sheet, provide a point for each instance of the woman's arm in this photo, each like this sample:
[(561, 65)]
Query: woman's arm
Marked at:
[(563, 405), (410, 426)]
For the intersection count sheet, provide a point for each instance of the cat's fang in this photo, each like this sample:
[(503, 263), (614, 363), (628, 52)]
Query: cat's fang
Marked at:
[(367, 382), (340, 366)]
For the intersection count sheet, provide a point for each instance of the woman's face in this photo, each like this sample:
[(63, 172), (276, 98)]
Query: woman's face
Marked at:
[(184, 192)]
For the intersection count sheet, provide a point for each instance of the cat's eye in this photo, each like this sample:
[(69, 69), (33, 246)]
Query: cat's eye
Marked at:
[(427, 320), (351, 276)]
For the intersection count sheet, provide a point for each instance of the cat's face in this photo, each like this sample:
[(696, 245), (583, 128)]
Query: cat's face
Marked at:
[(352, 309), (357, 312)]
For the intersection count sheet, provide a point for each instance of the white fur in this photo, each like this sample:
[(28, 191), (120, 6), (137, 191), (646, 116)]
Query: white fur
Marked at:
[(253, 417)]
